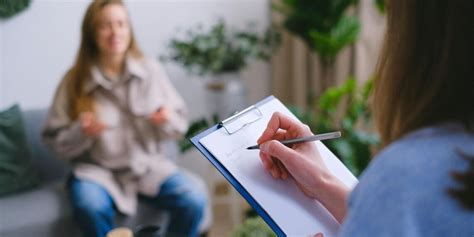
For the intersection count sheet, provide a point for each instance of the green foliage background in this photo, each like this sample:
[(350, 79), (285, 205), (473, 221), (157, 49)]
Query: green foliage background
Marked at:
[(219, 51), (9, 8), (345, 108), (253, 227), (326, 28), (323, 25)]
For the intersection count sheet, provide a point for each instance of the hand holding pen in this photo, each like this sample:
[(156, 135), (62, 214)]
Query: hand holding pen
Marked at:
[(291, 142), (301, 161)]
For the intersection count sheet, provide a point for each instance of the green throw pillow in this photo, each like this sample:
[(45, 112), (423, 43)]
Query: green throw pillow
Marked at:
[(16, 171)]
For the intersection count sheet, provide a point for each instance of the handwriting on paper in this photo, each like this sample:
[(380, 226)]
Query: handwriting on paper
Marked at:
[(237, 151)]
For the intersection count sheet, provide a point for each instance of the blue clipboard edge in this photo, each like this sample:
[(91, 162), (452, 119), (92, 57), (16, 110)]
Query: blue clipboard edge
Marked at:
[(233, 181)]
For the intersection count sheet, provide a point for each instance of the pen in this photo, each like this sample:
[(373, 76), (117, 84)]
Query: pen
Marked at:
[(318, 137)]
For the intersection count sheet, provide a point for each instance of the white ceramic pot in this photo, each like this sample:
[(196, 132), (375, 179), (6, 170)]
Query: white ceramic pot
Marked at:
[(226, 94)]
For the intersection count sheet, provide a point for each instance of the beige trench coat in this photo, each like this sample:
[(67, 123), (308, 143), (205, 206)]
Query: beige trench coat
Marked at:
[(125, 158)]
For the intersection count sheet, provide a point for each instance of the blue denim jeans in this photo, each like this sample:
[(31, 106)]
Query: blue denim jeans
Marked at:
[(94, 209)]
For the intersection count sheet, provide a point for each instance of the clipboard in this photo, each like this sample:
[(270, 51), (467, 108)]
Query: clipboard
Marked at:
[(231, 126), (234, 182)]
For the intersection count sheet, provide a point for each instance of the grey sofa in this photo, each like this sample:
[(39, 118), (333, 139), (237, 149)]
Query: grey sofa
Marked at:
[(45, 210)]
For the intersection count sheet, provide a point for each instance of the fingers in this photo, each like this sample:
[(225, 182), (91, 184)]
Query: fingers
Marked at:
[(90, 125), (282, 171), (266, 160), (277, 169), (157, 119), (285, 174), (86, 119), (163, 112), (276, 122), (160, 116), (274, 166), (281, 121), (280, 135), (279, 151), (97, 128)]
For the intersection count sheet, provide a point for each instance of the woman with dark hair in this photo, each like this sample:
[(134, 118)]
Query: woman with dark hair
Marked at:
[(108, 115), (422, 182)]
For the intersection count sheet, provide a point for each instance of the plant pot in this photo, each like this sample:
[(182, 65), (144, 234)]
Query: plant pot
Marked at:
[(226, 94)]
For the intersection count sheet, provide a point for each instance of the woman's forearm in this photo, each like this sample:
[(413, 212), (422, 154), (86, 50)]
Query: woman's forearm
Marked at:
[(68, 142), (334, 197)]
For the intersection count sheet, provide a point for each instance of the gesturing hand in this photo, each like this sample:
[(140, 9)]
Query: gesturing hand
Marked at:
[(160, 116), (90, 125)]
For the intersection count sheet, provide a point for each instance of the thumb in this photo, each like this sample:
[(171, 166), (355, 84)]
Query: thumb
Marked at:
[(279, 151)]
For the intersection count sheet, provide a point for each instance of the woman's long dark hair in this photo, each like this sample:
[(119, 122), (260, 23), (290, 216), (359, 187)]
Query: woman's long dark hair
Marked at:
[(425, 74)]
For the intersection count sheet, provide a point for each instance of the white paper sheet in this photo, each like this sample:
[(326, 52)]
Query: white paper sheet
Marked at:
[(295, 213)]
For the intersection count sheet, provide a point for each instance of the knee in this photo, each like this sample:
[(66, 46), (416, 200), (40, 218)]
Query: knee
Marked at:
[(91, 200), (93, 208), (194, 202)]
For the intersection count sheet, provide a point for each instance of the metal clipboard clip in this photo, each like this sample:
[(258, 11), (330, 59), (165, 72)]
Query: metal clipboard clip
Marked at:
[(241, 119)]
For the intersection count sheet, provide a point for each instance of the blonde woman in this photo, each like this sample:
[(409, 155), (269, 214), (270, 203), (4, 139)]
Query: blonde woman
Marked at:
[(108, 115), (422, 182)]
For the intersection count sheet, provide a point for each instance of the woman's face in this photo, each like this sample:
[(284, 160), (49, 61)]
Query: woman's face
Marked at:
[(113, 30)]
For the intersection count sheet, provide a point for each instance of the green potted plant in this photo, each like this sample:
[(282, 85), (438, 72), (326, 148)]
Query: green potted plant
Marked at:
[(345, 108), (8, 8), (219, 50), (325, 27), (218, 54)]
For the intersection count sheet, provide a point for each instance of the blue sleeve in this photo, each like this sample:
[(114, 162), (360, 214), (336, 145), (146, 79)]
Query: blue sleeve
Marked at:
[(404, 190), (378, 206)]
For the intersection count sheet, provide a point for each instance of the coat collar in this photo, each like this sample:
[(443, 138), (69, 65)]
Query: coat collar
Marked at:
[(134, 68)]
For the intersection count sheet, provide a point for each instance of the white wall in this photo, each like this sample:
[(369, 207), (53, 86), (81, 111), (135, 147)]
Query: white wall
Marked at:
[(39, 45)]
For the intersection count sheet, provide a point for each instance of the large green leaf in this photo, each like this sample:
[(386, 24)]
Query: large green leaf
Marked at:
[(328, 44), (322, 24), (356, 145)]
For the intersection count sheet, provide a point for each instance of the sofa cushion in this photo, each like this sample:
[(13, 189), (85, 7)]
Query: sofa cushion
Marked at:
[(45, 209), (49, 167), (16, 170)]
